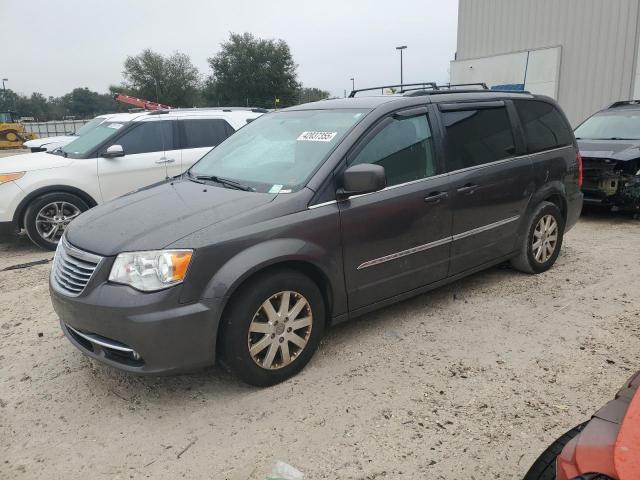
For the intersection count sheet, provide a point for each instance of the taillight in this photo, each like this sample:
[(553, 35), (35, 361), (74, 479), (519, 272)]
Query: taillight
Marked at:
[(579, 160)]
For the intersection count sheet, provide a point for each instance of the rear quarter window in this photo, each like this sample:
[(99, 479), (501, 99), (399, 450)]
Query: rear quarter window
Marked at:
[(544, 126), (204, 132)]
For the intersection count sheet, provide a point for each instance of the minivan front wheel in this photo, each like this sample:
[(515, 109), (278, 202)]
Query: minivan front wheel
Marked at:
[(272, 327), (543, 239)]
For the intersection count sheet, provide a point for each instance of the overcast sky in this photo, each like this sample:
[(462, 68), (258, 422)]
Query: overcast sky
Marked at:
[(53, 46)]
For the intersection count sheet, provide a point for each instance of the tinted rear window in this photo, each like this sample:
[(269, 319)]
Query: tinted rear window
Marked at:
[(204, 132), (544, 126), (475, 137)]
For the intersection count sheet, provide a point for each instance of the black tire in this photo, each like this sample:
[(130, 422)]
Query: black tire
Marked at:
[(233, 341), (38, 204), (544, 468), (526, 260)]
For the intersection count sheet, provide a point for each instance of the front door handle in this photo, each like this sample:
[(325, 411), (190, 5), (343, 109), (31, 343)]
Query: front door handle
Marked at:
[(468, 189), (165, 160), (436, 197)]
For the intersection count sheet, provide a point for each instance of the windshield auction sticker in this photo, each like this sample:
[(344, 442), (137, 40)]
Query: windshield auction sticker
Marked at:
[(316, 136)]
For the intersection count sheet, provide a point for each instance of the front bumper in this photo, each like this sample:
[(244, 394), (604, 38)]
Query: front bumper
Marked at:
[(10, 197), (145, 333)]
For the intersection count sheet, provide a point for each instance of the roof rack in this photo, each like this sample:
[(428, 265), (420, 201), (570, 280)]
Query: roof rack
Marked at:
[(427, 87), (453, 86), (624, 103), (423, 85)]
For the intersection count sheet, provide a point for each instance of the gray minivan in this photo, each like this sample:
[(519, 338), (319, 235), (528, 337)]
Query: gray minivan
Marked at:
[(313, 215)]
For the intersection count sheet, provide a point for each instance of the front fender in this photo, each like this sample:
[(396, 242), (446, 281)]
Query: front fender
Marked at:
[(246, 263)]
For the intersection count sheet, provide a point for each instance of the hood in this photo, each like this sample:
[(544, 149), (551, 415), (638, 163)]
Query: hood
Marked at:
[(156, 216), (611, 149), (40, 142), (27, 162)]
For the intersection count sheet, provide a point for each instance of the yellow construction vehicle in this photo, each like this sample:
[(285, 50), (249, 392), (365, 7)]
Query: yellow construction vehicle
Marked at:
[(12, 132)]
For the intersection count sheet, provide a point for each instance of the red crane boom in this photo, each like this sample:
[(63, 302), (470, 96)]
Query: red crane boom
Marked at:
[(140, 103)]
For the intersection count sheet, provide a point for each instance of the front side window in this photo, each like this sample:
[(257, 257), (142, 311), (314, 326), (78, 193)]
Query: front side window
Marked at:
[(404, 147), (147, 137), (205, 132), (611, 125), (476, 137), (544, 126), (278, 152), (90, 140)]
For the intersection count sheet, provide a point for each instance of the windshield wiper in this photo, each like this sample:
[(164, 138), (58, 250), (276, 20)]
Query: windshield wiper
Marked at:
[(224, 181)]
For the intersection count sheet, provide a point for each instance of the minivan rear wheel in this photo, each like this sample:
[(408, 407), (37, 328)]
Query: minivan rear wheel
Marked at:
[(543, 239), (272, 327)]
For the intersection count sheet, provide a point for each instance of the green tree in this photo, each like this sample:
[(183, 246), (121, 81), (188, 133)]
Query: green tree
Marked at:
[(253, 72), (84, 103), (172, 80), (313, 95)]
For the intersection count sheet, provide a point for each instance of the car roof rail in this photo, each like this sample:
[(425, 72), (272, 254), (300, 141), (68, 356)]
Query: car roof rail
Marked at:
[(453, 86), (624, 103), (423, 85)]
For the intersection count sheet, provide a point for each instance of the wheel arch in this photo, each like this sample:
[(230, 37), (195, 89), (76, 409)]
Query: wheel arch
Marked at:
[(553, 192), (299, 255), (18, 215)]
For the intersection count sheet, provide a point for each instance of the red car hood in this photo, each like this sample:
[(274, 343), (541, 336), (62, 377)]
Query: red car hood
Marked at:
[(610, 443)]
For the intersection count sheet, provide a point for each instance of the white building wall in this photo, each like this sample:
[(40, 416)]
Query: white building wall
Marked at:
[(598, 40)]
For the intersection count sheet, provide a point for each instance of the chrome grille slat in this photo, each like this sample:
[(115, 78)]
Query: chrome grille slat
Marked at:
[(69, 280), (74, 273), (72, 268)]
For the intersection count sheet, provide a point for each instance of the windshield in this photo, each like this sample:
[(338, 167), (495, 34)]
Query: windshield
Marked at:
[(623, 125), (90, 125), (88, 141), (278, 152)]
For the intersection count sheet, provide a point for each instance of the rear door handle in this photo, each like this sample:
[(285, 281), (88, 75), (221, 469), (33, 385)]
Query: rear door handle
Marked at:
[(468, 189), (165, 160), (436, 197)]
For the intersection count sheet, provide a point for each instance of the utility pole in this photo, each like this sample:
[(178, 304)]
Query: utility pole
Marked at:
[(4, 89), (401, 48), (353, 84)]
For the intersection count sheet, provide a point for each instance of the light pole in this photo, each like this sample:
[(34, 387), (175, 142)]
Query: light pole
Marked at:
[(353, 84), (401, 48), (4, 92)]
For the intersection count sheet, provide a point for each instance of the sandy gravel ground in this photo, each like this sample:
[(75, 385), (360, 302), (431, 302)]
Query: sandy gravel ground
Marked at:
[(470, 381)]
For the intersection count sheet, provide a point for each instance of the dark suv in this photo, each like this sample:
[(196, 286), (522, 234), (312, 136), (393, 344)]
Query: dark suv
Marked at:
[(311, 216)]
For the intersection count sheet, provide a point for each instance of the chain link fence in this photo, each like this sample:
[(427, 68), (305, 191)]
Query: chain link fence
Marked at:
[(54, 128)]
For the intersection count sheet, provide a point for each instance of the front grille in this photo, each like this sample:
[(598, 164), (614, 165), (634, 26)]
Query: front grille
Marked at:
[(72, 268)]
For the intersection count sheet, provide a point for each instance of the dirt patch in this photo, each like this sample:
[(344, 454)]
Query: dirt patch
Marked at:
[(472, 380)]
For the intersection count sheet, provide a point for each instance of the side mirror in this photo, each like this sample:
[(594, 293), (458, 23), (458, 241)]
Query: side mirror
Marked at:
[(114, 151), (363, 178)]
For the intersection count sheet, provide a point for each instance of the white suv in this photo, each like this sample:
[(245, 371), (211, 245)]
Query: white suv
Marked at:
[(42, 192)]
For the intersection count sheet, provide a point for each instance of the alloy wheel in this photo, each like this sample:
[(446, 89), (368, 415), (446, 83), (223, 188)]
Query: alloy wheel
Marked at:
[(545, 238), (53, 218), (280, 330)]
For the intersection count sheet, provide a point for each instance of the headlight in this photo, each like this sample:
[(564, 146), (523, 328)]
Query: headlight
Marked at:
[(7, 177), (154, 270)]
